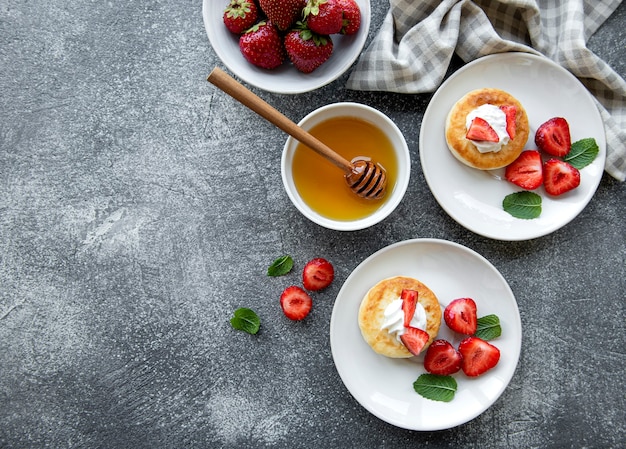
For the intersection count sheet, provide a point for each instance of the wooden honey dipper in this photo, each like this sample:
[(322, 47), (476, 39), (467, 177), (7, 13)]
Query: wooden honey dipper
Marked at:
[(364, 177)]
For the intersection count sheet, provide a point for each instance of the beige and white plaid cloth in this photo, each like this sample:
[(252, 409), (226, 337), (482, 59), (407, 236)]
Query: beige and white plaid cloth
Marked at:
[(413, 48)]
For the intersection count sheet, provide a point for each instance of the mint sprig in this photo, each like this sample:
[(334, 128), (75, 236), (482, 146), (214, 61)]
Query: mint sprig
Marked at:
[(582, 153), (280, 266), (525, 205), (488, 327), (435, 388), (246, 320)]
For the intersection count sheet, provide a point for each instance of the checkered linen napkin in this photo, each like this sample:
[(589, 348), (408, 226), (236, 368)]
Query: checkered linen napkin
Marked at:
[(413, 48)]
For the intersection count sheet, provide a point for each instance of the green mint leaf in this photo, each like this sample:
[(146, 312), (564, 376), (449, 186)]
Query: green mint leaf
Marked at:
[(488, 327), (435, 388), (280, 266), (525, 204), (582, 153), (246, 320)]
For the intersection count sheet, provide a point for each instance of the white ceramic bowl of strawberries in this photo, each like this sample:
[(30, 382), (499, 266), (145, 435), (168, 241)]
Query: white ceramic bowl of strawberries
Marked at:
[(286, 78)]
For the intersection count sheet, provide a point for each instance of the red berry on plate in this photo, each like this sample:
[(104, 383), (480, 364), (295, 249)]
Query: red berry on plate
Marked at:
[(283, 13), (510, 111), (460, 316), (442, 358), (478, 355), (526, 171), (414, 339), (317, 274), (553, 137), (323, 16), (559, 177), (262, 46), (409, 302), (307, 50), (480, 130), (296, 303), (240, 15), (351, 16)]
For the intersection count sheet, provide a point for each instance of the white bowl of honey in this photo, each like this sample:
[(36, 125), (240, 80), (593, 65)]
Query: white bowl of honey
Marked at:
[(317, 187)]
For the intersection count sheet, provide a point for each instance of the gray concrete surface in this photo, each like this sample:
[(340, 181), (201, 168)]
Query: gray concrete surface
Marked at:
[(139, 208)]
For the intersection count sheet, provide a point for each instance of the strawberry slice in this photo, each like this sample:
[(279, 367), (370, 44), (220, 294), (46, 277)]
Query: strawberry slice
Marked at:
[(296, 303), (460, 316), (510, 111), (478, 355), (442, 358), (414, 339), (526, 171), (553, 137), (480, 130), (559, 177), (409, 302), (317, 274)]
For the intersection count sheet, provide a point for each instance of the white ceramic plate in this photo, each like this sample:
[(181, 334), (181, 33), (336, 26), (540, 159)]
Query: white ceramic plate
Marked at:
[(285, 79), (384, 386), (474, 198)]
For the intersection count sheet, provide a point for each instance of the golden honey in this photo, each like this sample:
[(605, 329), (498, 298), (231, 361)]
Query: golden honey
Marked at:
[(322, 185)]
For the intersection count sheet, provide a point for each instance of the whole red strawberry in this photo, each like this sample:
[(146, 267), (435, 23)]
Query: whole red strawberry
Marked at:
[(307, 50), (323, 16), (262, 46), (351, 16), (283, 13), (240, 15)]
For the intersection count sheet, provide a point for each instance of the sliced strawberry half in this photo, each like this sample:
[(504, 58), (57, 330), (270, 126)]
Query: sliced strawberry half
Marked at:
[(510, 111), (409, 302), (442, 358), (296, 303), (478, 355), (460, 316), (526, 171), (414, 339), (317, 274), (553, 137), (559, 177), (481, 130)]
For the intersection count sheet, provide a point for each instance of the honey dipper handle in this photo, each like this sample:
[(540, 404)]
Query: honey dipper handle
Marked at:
[(239, 92)]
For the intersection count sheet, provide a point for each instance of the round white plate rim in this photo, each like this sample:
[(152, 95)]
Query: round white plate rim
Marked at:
[(263, 79), (507, 365), (505, 227)]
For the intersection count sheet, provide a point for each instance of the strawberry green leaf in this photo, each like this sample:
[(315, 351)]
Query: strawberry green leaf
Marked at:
[(488, 327), (246, 320), (435, 388), (280, 266), (582, 153), (525, 204)]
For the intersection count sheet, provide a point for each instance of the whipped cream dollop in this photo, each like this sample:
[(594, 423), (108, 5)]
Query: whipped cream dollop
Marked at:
[(393, 320), (497, 120)]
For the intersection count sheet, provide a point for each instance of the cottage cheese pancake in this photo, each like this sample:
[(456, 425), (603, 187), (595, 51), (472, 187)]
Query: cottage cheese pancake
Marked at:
[(375, 327), (488, 105)]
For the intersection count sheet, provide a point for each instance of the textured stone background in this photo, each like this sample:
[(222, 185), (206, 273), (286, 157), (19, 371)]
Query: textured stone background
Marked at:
[(139, 208)]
